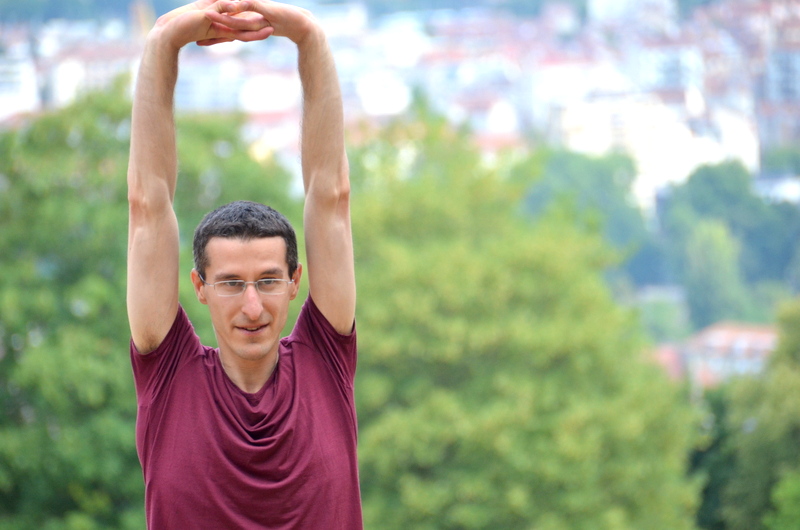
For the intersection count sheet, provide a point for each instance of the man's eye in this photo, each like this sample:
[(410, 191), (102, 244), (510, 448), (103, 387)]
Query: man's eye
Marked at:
[(268, 281), (232, 284)]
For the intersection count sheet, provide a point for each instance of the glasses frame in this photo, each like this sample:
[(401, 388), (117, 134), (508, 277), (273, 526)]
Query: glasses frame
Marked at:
[(244, 285)]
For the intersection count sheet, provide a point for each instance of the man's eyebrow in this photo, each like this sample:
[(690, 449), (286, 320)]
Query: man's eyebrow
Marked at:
[(221, 277), (225, 276)]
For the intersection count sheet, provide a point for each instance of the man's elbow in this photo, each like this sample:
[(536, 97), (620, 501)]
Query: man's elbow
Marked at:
[(144, 205), (331, 191)]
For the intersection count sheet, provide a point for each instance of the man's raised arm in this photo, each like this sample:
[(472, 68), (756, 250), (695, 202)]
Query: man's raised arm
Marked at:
[(152, 174), (326, 177), (326, 216), (152, 293)]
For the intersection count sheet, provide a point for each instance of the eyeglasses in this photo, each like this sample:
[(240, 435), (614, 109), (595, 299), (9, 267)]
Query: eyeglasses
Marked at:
[(268, 286)]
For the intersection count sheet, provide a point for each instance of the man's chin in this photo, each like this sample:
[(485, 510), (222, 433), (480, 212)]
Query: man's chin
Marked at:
[(254, 352)]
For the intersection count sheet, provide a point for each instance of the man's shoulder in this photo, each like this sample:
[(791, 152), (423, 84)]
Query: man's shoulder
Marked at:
[(181, 336), (315, 335), (311, 323)]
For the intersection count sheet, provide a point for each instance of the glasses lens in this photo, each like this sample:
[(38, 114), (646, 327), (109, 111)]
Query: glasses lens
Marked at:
[(230, 288), (271, 286), (264, 286)]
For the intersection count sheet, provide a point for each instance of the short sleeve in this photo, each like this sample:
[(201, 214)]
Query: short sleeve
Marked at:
[(337, 350), (153, 372)]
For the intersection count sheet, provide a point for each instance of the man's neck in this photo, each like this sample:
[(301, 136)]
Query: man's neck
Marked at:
[(249, 376)]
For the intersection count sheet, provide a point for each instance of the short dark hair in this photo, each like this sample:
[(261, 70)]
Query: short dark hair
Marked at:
[(243, 220)]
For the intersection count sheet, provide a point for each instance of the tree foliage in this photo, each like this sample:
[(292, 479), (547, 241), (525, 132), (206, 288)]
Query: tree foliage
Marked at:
[(714, 284), (67, 458), (499, 385), (765, 422), (713, 459), (786, 500), (761, 243), (781, 160), (601, 189), (67, 454)]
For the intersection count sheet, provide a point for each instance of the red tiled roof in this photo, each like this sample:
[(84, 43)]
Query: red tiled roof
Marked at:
[(728, 338)]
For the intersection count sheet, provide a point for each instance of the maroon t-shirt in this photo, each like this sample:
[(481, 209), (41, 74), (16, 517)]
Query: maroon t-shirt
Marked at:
[(216, 457)]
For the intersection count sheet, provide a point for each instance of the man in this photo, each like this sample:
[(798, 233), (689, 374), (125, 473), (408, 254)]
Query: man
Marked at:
[(261, 431)]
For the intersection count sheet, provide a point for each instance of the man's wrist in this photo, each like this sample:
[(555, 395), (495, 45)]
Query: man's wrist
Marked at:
[(160, 43), (312, 37)]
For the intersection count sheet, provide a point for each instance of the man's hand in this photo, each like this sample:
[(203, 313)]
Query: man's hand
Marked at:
[(199, 5), (189, 23), (287, 21)]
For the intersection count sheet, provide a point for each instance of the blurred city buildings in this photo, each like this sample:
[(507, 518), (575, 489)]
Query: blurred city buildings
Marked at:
[(674, 94), (718, 353)]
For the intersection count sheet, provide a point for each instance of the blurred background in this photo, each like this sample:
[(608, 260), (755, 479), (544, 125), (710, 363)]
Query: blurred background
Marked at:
[(576, 228)]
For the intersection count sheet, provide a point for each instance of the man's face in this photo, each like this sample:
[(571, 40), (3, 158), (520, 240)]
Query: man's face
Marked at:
[(248, 325)]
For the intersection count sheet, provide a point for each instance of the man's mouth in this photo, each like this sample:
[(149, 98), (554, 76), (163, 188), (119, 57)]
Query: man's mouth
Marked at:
[(252, 329)]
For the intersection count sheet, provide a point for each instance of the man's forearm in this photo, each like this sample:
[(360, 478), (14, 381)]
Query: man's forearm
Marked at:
[(322, 141), (153, 151)]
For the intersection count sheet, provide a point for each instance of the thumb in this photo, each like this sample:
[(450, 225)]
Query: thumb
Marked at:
[(232, 7)]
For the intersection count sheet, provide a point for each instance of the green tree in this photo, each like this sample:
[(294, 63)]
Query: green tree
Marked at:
[(765, 422), (764, 233), (67, 457), (786, 499), (781, 160), (723, 192), (715, 289), (714, 461), (499, 385), (67, 447), (601, 188)]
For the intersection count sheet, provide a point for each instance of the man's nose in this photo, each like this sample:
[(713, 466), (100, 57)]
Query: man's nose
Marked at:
[(252, 302)]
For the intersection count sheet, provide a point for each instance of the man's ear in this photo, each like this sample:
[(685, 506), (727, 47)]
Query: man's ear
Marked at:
[(298, 273), (198, 284)]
